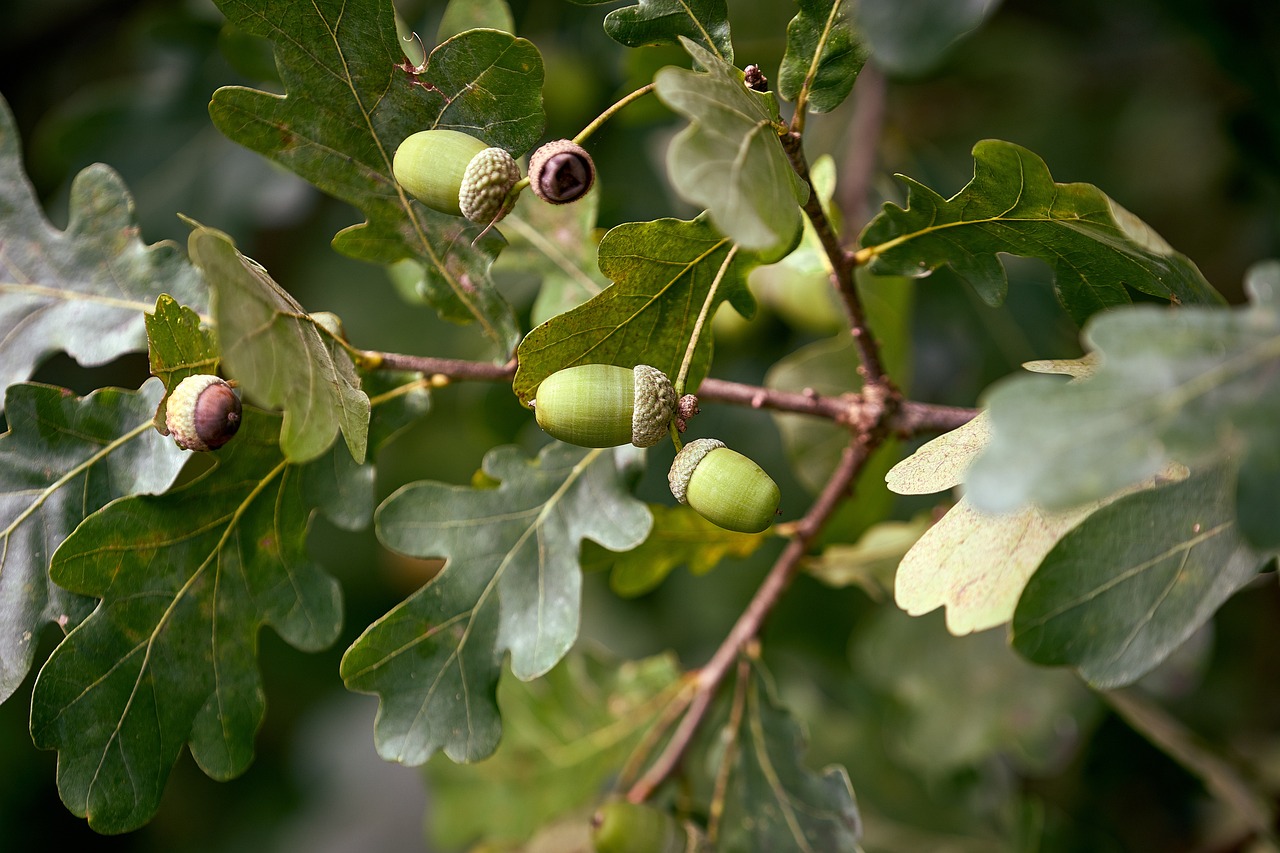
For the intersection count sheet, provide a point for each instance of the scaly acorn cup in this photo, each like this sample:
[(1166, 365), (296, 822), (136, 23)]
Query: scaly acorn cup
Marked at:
[(723, 486), (454, 173), (620, 826), (602, 405), (561, 172), (203, 413)]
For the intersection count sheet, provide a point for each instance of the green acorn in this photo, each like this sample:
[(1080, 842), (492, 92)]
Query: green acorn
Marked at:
[(602, 405), (561, 172), (202, 413), (620, 826), (723, 486), (455, 173)]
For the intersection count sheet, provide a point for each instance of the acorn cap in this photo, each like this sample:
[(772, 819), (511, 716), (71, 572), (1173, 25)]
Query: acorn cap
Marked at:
[(561, 172), (202, 413), (655, 403), (489, 177), (684, 463)]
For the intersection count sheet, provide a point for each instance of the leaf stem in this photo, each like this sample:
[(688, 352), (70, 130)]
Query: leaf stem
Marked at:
[(586, 132), (701, 321)]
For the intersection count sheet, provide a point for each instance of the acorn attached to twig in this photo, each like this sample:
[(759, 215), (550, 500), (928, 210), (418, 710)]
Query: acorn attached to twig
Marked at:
[(561, 172), (723, 486), (603, 405), (455, 173), (202, 413)]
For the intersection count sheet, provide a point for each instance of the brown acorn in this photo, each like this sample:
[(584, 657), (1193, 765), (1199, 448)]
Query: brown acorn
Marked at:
[(203, 413)]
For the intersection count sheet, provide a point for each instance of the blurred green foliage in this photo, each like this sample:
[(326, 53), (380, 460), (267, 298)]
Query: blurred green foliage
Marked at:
[(1172, 107)]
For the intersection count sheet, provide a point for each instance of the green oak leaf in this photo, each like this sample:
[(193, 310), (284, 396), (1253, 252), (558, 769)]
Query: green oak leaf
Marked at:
[(649, 22), (730, 159), (351, 99), (82, 291), (910, 37), (565, 736), (62, 458), (772, 801), (824, 55), (511, 583), (1095, 248), (462, 15), (1127, 586), (680, 537), (187, 579), (177, 347), (280, 355), (662, 273), (1184, 385)]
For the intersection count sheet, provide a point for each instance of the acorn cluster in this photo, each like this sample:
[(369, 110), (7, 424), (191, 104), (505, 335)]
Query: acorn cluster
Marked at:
[(602, 405), (455, 173)]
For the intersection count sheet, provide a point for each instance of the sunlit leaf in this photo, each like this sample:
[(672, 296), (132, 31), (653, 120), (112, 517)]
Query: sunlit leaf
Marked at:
[(565, 735), (82, 291), (870, 562), (730, 159), (1184, 385), (511, 583), (62, 458), (349, 103), (1122, 590), (705, 22), (1095, 248), (280, 355), (824, 55), (178, 346), (662, 272), (680, 537), (940, 463)]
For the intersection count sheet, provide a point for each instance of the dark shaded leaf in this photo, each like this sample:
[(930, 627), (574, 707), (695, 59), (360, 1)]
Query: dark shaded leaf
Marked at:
[(1127, 586), (62, 458), (1095, 248), (350, 103), (280, 355), (824, 55), (662, 272), (83, 291), (666, 21), (511, 583), (730, 159)]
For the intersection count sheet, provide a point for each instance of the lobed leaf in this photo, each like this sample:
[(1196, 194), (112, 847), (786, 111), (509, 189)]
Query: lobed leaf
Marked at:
[(754, 749), (1127, 586), (1095, 248), (511, 583), (824, 55), (63, 458), (650, 22), (177, 347), (280, 355), (872, 562), (730, 159), (187, 579), (351, 99), (565, 736), (662, 273), (1186, 386), (82, 291)]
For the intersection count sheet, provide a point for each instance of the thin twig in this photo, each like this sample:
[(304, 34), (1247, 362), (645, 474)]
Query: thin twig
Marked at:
[(752, 619)]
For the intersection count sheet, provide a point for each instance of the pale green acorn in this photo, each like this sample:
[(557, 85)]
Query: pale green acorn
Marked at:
[(723, 486), (202, 413), (455, 173), (602, 405), (620, 826)]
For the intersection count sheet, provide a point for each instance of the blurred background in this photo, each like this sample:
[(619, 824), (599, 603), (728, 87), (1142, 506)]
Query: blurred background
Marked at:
[(1172, 107)]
